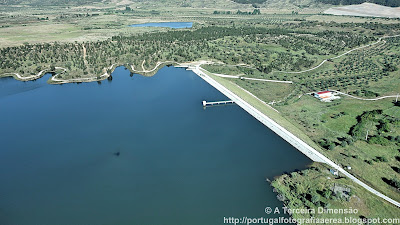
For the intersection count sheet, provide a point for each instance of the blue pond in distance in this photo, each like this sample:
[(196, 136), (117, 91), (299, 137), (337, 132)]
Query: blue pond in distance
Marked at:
[(175, 25), (178, 163)]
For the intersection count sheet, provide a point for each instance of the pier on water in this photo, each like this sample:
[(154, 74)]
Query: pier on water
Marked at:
[(205, 103)]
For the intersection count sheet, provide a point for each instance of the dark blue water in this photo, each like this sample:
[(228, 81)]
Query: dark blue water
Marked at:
[(175, 25), (178, 163)]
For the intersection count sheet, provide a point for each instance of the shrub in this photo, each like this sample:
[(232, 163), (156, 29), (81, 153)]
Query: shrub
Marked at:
[(327, 193), (396, 183), (368, 161), (327, 144), (379, 140), (315, 198), (381, 159)]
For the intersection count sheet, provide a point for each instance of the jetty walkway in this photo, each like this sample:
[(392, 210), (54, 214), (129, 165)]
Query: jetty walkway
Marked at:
[(205, 103)]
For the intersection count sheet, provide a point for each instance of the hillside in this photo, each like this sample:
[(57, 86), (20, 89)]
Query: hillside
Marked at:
[(390, 3), (218, 4), (288, 4), (284, 6), (365, 9), (48, 2)]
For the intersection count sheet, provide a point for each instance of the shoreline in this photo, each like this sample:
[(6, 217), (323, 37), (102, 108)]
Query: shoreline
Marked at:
[(105, 75), (17, 76)]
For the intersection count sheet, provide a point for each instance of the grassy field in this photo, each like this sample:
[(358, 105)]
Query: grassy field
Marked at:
[(272, 92), (72, 29), (333, 121)]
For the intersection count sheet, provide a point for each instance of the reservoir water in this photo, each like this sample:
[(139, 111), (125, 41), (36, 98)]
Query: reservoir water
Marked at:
[(134, 150), (175, 25)]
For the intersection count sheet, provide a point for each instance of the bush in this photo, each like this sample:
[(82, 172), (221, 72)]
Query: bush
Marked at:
[(381, 159), (315, 198), (384, 126), (379, 140), (396, 182), (368, 161), (349, 140), (327, 144), (393, 182), (327, 194)]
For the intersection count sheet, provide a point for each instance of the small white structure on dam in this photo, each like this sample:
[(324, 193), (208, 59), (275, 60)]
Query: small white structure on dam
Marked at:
[(205, 103)]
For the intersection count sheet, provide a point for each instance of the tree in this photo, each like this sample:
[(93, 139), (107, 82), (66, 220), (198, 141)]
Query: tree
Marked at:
[(315, 198), (396, 183), (256, 12), (327, 194)]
